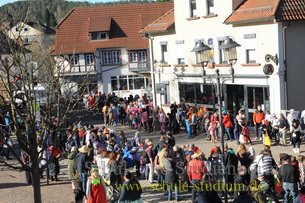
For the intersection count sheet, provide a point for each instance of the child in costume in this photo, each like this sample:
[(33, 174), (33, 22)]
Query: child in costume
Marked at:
[(96, 188)]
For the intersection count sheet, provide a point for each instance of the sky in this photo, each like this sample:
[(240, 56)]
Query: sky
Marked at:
[(2, 2)]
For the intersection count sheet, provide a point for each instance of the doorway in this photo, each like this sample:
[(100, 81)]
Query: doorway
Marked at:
[(255, 96), (247, 98)]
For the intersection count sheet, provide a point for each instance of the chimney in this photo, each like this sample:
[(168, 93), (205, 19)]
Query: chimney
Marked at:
[(236, 3)]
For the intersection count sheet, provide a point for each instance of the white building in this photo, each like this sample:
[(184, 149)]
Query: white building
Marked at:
[(259, 26), (104, 42), (31, 33)]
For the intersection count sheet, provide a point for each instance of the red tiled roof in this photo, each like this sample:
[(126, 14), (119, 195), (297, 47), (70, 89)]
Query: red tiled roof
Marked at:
[(291, 10), (253, 11), (162, 24), (72, 34), (99, 24)]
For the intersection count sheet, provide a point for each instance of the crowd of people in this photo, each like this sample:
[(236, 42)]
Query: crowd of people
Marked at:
[(168, 165), (101, 161)]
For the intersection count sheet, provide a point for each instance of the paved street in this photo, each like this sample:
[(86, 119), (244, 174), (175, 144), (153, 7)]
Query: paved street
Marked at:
[(14, 189)]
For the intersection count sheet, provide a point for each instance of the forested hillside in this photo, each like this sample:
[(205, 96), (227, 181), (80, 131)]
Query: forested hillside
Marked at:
[(50, 12)]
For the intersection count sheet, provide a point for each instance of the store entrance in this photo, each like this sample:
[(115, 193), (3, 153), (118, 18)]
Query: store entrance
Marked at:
[(247, 98), (256, 96), (235, 98)]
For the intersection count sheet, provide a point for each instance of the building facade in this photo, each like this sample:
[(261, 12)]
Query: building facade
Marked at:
[(260, 71), (104, 42)]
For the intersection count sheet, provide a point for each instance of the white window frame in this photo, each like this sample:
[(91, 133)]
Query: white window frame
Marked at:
[(99, 36), (250, 45), (133, 57), (107, 58), (116, 57), (221, 54), (180, 51), (254, 53), (209, 10), (142, 56), (164, 53), (74, 60), (89, 59), (193, 11)]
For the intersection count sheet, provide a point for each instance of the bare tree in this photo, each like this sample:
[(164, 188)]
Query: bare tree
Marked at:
[(36, 93)]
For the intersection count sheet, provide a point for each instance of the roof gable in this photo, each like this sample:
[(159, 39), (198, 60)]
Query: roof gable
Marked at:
[(291, 10), (126, 21), (254, 11), (99, 24), (162, 24)]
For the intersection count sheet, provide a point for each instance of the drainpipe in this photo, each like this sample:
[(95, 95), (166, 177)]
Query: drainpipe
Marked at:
[(285, 65), (152, 68)]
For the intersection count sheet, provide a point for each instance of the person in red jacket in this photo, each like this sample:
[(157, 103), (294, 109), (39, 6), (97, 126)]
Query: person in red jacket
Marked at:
[(196, 171), (227, 124), (258, 117)]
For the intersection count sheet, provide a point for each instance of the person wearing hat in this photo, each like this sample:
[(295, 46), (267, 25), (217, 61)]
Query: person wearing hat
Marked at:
[(73, 175), (196, 171), (288, 174), (80, 163)]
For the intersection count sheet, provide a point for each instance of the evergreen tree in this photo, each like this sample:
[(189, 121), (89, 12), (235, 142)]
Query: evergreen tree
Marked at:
[(46, 17), (53, 21)]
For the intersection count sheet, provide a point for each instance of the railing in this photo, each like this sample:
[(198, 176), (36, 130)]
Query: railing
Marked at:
[(142, 66)]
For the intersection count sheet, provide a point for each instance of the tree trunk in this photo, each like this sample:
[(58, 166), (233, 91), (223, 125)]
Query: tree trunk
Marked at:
[(36, 181)]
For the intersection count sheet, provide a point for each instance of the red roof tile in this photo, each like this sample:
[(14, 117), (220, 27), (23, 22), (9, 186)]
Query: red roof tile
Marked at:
[(291, 10), (253, 11), (162, 24), (99, 24), (72, 34)]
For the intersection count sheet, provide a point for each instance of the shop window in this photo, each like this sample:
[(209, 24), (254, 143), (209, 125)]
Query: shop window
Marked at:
[(203, 92)]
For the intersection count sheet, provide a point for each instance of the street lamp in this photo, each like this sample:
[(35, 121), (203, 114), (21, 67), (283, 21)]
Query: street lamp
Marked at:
[(202, 56), (230, 54)]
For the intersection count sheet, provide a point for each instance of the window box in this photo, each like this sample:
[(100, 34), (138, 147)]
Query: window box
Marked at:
[(250, 64), (193, 18), (180, 65), (222, 65), (210, 16)]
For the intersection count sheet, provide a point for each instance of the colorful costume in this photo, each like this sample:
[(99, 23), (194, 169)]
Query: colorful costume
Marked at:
[(96, 190)]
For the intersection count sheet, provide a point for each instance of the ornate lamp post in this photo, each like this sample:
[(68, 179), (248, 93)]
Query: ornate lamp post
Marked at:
[(230, 55), (202, 56), (229, 46)]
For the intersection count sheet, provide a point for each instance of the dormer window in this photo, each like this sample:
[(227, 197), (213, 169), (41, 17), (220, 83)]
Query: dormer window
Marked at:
[(95, 36)]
